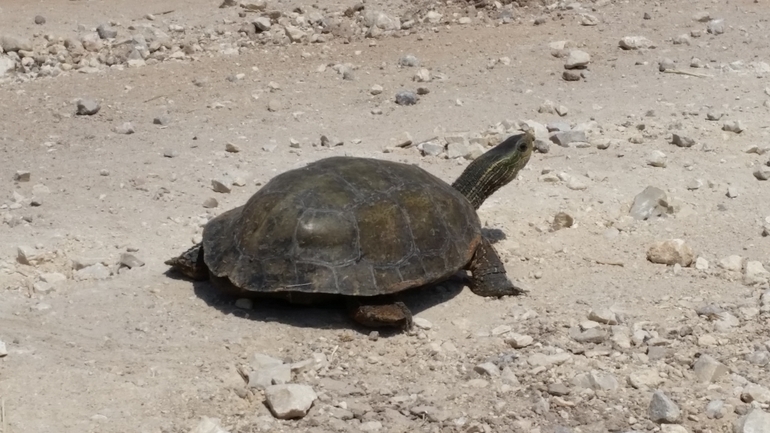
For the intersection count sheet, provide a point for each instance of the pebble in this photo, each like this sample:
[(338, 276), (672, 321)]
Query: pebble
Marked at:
[(731, 263), (565, 138), (577, 59), (232, 148), (376, 89), (488, 369), (221, 185), (274, 105), (3, 349), (162, 120), (635, 43), (715, 409), (21, 176), (422, 323), (755, 421), (130, 261), (588, 20), (518, 341), (87, 107), (126, 128), (265, 377), (562, 220), (733, 126), (603, 315), (209, 425), (652, 202), (408, 60), (755, 273), (701, 264), (708, 369), (600, 380), (105, 31), (210, 203), (762, 173), (682, 141), (406, 97), (670, 252), (662, 409), (656, 158), (645, 379), (431, 413), (543, 360), (422, 76), (716, 27), (39, 20), (591, 335), (289, 401), (571, 75)]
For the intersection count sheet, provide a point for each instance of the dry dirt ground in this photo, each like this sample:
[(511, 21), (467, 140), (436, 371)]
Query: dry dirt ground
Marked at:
[(139, 351)]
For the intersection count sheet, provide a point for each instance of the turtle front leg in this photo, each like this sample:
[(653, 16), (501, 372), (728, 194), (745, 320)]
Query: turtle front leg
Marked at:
[(395, 314), (488, 273)]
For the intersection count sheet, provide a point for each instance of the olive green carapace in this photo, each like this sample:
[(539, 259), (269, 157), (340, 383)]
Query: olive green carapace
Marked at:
[(353, 226), (362, 229)]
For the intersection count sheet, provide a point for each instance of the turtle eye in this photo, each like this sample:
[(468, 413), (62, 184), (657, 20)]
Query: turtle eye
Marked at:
[(523, 147)]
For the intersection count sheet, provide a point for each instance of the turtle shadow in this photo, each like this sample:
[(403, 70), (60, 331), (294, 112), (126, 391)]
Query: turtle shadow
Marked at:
[(329, 314)]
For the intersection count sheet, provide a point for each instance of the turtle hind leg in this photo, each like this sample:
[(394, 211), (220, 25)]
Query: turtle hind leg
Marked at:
[(374, 315), (190, 263), (488, 273)]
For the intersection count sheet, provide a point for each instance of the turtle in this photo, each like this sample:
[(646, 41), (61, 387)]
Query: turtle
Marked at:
[(362, 229)]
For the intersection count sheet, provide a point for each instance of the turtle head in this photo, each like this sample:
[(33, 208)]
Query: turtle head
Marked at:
[(495, 168), (190, 263)]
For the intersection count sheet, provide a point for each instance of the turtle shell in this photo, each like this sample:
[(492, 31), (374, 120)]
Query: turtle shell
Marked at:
[(344, 225)]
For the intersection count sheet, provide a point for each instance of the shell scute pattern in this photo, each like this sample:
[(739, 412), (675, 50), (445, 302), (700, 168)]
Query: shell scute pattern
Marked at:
[(351, 226)]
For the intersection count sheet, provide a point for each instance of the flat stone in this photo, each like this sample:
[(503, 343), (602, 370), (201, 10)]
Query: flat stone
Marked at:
[(662, 409), (592, 335), (732, 263), (422, 323), (126, 128), (652, 202), (600, 380), (260, 361), (733, 126), (645, 379), (756, 421), (265, 377), (487, 369), (210, 203), (130, 261), (12, 43), (543, 360), (577, 59), (290, 401), (603, 315), (656, 158), (518, 341), (635, 43), (221, 185), (708, 369), (755, 273), (670, 252), (558, 389), (3, 350), (565, 138)]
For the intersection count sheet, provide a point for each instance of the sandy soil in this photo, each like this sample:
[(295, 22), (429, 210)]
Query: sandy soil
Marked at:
[(140, 351)]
